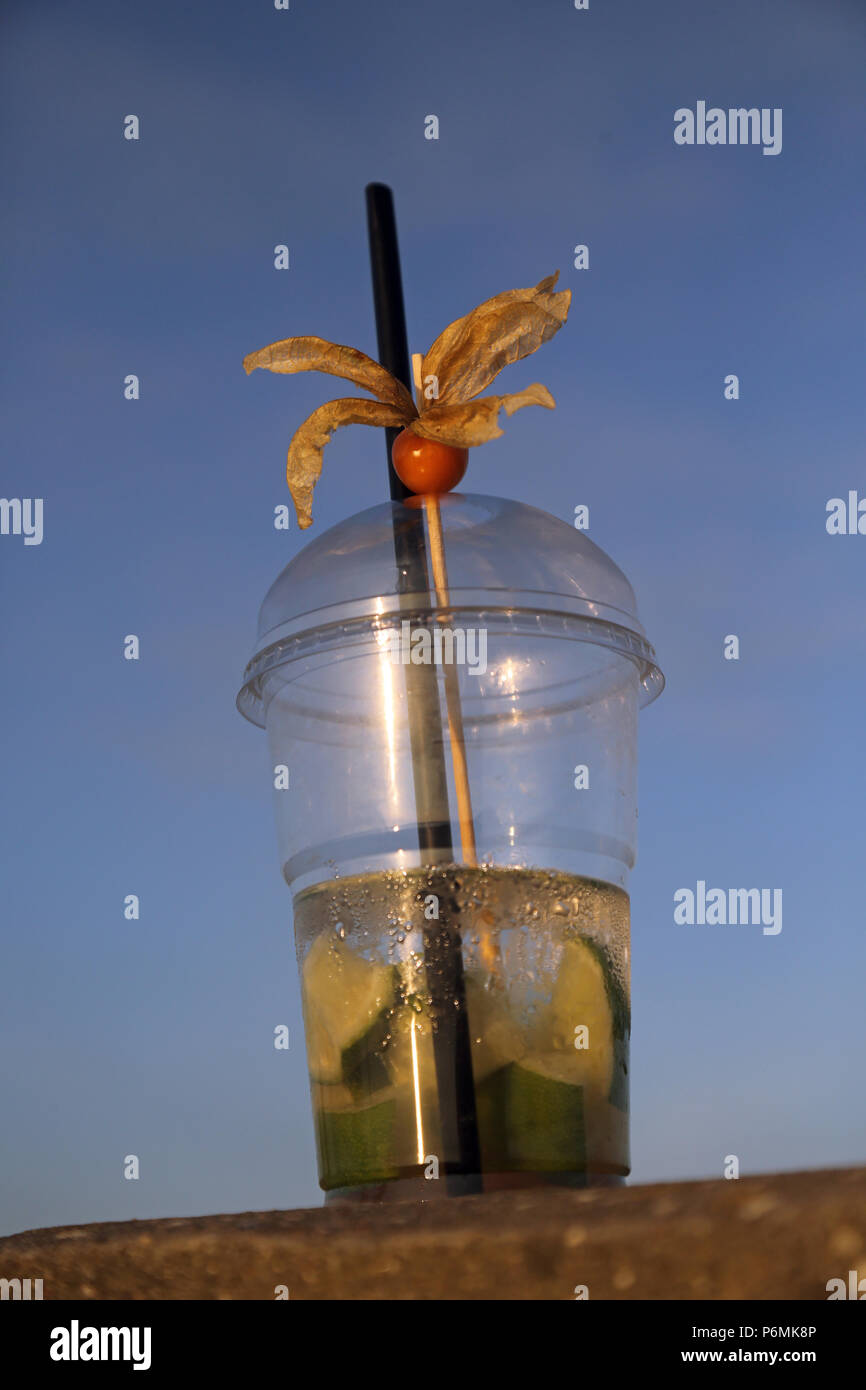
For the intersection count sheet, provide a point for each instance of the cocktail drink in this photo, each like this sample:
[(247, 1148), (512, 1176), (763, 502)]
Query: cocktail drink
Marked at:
[(545, 959), (407, 929)]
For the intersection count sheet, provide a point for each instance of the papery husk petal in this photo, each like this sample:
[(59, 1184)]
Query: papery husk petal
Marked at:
[(318, 355), (473, 350), (304, 464), (466, 425)]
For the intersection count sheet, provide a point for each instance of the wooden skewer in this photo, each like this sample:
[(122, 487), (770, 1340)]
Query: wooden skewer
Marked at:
[(417, 359), (452, 690)]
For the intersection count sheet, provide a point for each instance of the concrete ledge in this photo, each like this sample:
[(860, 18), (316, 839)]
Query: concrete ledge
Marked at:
[(776, 1236)]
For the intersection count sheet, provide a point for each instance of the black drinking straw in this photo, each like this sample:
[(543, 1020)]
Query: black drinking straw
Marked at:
[(443, 956)]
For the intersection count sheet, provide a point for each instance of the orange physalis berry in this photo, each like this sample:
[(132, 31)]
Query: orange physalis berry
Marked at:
[(425, 466)]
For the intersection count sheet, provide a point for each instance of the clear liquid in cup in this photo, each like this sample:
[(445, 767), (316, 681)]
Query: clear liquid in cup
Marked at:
[(545, 962)]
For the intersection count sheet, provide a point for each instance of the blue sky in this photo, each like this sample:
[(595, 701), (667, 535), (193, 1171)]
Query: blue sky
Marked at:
[(556, 128)]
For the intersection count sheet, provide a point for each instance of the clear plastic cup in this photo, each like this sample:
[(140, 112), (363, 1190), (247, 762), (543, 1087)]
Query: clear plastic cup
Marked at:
[(456, 823)]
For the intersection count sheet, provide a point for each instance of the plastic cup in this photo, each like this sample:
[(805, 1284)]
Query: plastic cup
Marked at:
[(464, 971)]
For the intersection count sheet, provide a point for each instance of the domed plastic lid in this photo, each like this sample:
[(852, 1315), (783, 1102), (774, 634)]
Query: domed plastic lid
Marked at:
[(501, 556)]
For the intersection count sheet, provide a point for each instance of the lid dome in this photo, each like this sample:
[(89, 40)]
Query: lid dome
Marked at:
[(500, 555)]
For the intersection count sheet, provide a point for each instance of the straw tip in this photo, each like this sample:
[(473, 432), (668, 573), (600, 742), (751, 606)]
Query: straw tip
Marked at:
[(379, 196)]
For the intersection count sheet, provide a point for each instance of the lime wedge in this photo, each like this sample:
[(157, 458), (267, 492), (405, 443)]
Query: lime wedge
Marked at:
[(347, 1002), (495, 1036), (530, 1120), (408, 1053), (324, 1057), (587, 1023), (356, 1144)]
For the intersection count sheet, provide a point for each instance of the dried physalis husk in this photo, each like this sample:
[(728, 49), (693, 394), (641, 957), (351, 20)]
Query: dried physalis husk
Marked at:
[(475, 422), (473, 350), (304, 463), (464, 360), (318, 355)]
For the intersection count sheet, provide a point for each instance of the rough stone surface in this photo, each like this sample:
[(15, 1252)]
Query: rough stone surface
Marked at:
[(777, 1236)]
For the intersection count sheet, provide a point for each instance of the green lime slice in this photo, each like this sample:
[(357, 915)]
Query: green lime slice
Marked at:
[(356, 1144), (588, 1022), (530, 1120), (347, 1003), (496, 1037), (324, 1057), (408, 1053)]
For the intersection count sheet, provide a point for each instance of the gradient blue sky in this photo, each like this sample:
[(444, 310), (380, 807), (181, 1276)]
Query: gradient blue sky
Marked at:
[(156, 257)]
